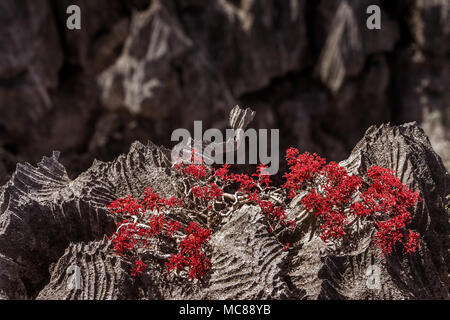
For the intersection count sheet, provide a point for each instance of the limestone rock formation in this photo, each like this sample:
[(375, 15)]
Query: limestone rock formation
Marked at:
[(140, 68), (405, 149), (49, 223), (43, 211), (103, 276)]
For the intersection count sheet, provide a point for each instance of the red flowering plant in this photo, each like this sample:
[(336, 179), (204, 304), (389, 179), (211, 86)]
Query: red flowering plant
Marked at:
[(340, 200), (146, 228), (216, 193), (176, 230), (219, 192)]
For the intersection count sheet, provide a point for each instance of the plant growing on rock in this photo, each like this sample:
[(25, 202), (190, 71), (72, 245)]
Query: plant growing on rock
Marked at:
[(145, 227), (340, 200), (176, 230)]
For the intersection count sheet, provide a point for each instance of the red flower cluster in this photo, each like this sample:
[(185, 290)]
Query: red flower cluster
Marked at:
[(332, 195), (153, 201), (139, 268), (126, 205), (196, 171), (331, 203), (191, 253), (301, 169), (385, 197), (172, 227), (263, 175), (388, 198), (246, 184), (411, 242), (131, 235), (253, 188), (131, 206), (222, 172), (124, 240), (277, 213), (208, 192)]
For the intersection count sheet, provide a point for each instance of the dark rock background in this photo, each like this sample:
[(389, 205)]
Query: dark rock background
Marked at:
[(139, 69)]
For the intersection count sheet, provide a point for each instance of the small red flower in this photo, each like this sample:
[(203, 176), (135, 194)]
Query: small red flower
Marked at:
[(139, 268), (411, 242), (191, 253), (125, 206), (222, 172), (302, 168), (263, 175), (172, 227), (246, 183), (156, 225)]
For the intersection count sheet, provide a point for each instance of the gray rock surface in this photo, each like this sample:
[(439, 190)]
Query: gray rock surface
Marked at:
[(44, 213), (321, 273), (103, 276)]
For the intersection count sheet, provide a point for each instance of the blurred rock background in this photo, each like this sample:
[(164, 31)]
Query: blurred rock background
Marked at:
[(138, 69)]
